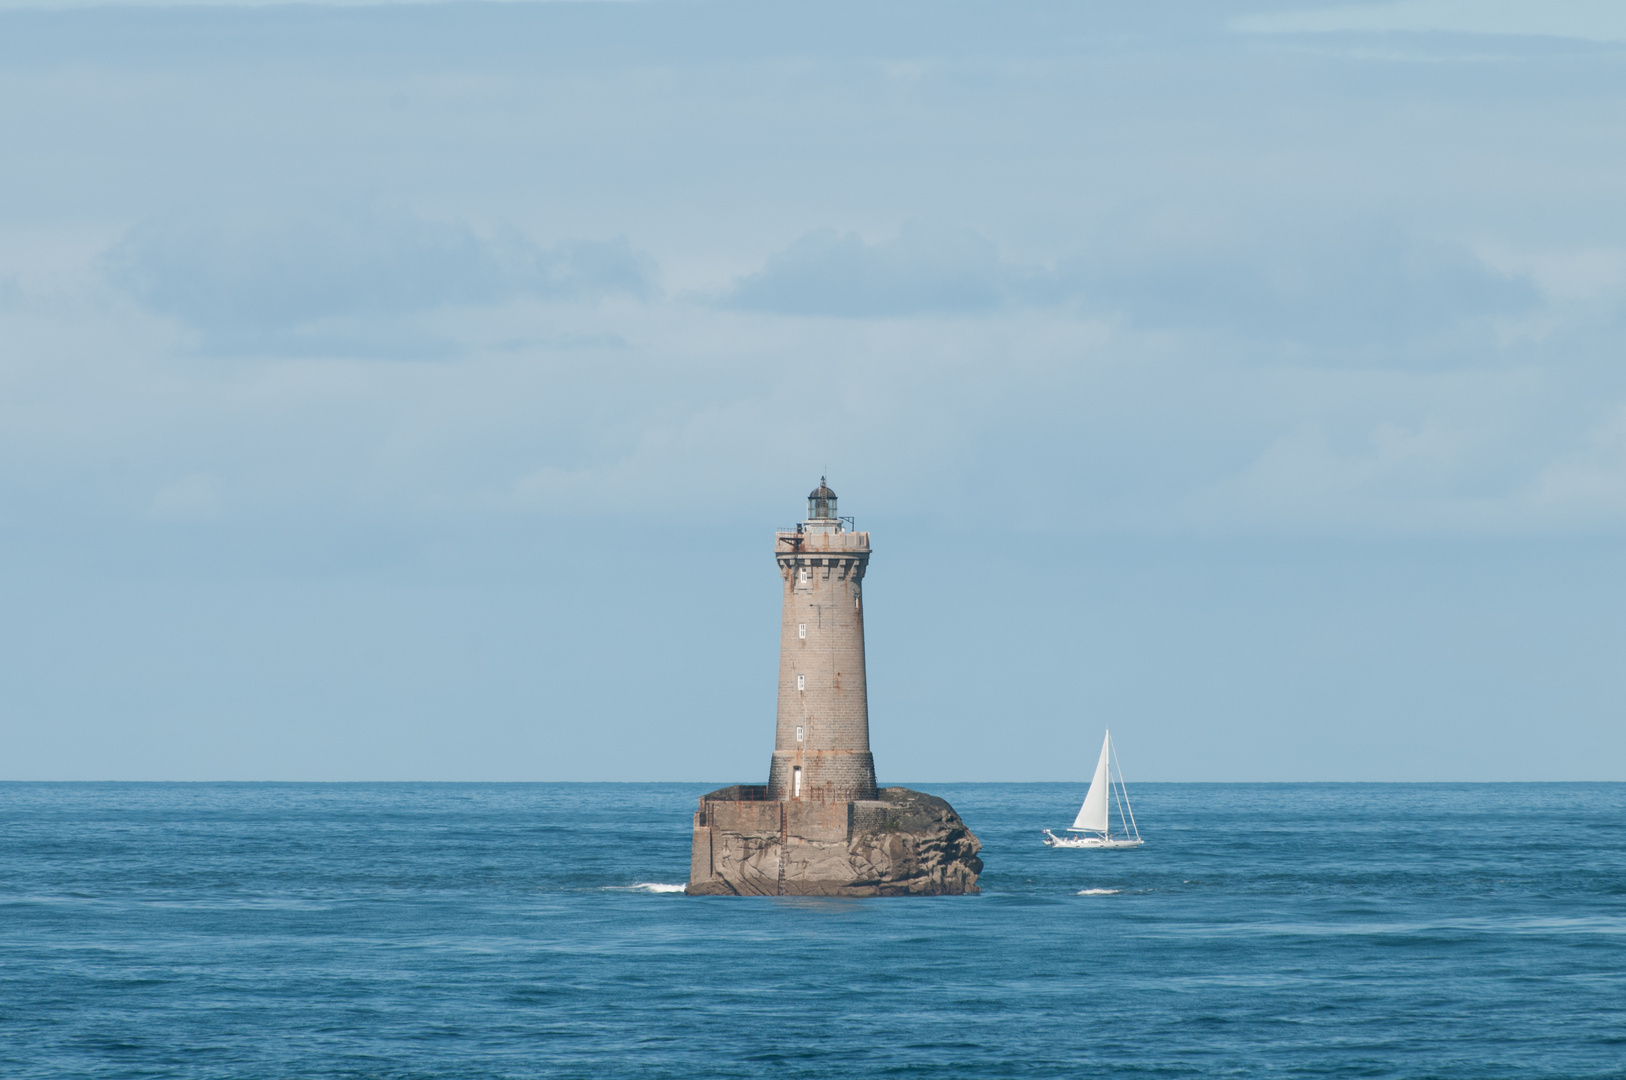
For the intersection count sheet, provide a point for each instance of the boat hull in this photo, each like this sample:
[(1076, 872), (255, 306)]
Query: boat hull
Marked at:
[(1052, 840)]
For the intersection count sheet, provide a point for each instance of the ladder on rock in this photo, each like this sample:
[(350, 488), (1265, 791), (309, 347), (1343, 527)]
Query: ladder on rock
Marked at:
[(783, 828)]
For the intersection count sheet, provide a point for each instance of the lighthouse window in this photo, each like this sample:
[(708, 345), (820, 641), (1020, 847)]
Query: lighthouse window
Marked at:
[(801, 630), (801, 682), (804, 575), (799, 736), (796, 781)]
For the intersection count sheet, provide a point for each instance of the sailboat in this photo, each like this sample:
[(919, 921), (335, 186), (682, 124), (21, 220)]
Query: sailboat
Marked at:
[(1094, 818)]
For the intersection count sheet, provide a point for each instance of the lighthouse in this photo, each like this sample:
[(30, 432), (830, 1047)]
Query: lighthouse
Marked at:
[(819, 826), (821, 742)]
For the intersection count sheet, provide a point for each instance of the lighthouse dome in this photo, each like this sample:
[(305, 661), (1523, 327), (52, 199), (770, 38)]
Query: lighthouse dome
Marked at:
[(821, 503)]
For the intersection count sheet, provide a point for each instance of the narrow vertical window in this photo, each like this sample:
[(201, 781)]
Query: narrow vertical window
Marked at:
[(804, 575), (801, 630), (799, 737), (801, 682), (796, 781)]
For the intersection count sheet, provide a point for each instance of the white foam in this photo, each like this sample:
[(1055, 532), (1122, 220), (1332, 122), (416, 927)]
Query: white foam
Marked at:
[(649, 886), (1096, 892)]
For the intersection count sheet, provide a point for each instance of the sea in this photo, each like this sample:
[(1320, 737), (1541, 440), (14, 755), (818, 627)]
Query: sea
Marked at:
[(539, 930)]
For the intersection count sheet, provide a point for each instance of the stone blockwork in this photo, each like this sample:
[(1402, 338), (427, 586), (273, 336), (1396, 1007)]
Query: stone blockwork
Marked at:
[(902, 843), (823, 724)]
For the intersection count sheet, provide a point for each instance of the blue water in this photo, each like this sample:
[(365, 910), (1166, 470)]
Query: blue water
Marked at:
[(487, 930)]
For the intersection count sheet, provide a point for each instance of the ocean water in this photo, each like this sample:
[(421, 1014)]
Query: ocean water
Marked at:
[(531, 930)]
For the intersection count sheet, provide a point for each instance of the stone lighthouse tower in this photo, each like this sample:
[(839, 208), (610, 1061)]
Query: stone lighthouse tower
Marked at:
[(819, 826), (821, 745)]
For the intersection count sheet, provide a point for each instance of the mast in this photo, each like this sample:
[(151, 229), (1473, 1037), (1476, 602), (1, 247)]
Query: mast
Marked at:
[(1119, 795), (1125, 789)]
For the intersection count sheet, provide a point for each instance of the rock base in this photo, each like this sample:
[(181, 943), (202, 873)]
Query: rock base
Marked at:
[(902, 843)]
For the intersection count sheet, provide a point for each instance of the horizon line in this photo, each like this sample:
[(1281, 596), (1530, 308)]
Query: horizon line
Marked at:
[(919, 785)]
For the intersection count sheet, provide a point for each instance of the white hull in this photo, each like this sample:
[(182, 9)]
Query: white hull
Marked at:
[(1052, 840)]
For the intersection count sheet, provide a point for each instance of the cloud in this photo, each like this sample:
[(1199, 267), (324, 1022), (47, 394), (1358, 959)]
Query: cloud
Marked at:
[(922, 270), (1586, 20), (1590, 483), (1309, 477), (315, 276), (1335, 283), (58, 5), (1342, 282)]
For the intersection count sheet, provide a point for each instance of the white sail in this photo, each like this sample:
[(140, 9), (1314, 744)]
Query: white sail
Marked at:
[(1092, 816)]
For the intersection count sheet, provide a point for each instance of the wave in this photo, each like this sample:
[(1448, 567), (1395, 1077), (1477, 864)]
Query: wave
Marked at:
[(1096, 892), (647, 886)]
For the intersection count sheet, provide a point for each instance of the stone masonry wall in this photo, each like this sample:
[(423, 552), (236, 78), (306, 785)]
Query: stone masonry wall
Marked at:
[(902, 843), (823, 694)]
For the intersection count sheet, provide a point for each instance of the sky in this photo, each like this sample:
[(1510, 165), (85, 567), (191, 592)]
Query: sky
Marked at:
[(411, 391)]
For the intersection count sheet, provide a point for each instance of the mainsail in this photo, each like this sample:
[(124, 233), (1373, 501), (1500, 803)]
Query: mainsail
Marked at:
[(1092, 816)]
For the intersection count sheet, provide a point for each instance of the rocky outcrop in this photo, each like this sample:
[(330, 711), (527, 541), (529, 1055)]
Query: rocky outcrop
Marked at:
[(902, 843)]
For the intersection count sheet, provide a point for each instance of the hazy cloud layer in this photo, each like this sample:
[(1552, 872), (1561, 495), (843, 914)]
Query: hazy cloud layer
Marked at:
[(1090, 283), (922, 270), (1588, 20), (306, 275), (1331, 283), (1361, 283), (1139, 271)]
